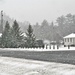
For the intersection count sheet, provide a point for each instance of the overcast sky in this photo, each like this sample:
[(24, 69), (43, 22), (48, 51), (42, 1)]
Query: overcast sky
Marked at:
[(37, 10)]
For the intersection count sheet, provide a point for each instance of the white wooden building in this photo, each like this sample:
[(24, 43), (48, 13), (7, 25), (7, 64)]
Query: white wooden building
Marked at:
[(69, 39)]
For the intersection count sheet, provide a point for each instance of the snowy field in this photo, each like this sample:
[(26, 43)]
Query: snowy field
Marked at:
[(14, 66)]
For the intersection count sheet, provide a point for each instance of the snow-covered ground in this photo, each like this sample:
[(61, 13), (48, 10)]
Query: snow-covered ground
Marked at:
[(14, 66)]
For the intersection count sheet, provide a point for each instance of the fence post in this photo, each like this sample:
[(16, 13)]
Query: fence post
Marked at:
[(57, 47), (68, 47), (53, 46), (50, 46), (46, 46)]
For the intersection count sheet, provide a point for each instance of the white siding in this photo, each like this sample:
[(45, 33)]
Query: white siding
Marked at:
[(69, 41)]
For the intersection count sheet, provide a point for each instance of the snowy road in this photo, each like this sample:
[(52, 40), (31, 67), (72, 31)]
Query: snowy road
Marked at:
[(14, 66)]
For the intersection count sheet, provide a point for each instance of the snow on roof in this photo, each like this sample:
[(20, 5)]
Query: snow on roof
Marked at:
[(24, 34), (70, 36), (0, 34)]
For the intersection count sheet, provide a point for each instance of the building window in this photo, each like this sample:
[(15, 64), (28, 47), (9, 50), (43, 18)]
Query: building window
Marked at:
[(73, 39), (70, 39), (65, 40)]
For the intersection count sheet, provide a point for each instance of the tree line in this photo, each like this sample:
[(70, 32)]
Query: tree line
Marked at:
[(55, 31), (12, 37)]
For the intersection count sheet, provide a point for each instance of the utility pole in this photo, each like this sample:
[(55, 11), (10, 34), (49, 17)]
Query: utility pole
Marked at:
[(2, 21), (53, 32)]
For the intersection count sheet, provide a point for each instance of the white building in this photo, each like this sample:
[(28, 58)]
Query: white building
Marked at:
[(69, 39), (47, 42)]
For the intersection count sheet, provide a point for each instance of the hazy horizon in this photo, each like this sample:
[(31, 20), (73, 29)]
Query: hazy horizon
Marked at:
[(37, 10)]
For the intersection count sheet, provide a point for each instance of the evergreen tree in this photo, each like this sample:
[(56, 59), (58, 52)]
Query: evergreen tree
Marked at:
[(5, 40), (16, 35), (44, 23), (30, 38)]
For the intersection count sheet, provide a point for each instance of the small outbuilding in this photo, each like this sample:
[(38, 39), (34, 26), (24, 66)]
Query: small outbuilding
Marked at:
[(69, 40)]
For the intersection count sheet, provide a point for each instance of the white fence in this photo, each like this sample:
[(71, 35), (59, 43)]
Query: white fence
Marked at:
[(48, 48)]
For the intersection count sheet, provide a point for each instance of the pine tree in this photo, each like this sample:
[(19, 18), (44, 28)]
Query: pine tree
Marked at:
[(16, 35), (5, 40), (30, 38)]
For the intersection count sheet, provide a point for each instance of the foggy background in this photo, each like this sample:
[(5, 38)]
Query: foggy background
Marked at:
[(51, 19), (37, 10)]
